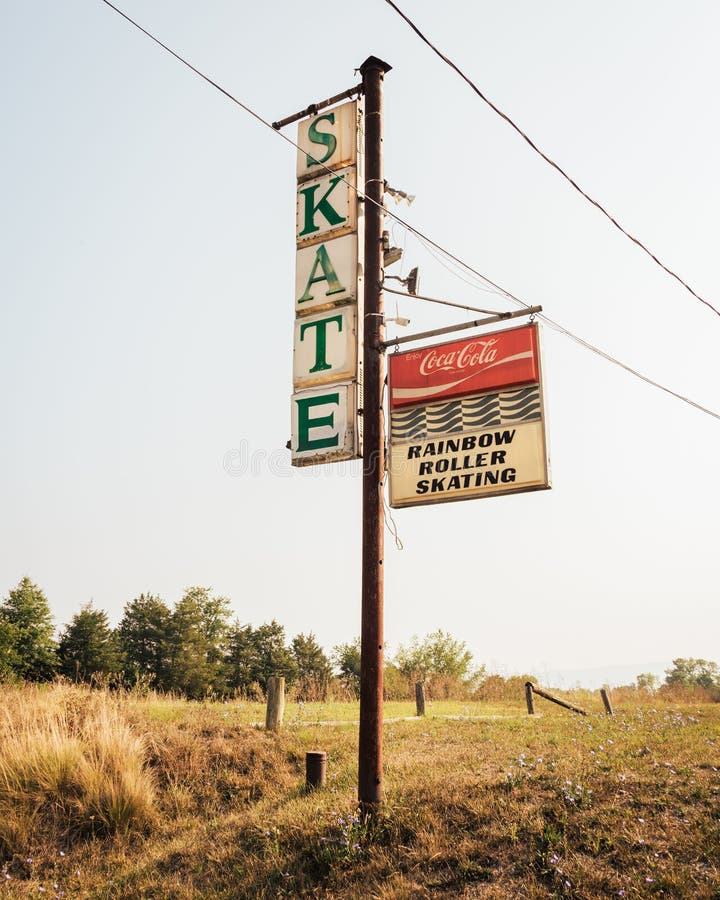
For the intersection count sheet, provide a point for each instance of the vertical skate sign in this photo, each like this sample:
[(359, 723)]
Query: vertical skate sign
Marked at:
[(328, 290)]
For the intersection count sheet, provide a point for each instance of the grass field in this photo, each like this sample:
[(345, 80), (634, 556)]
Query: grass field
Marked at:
[(109, 796)]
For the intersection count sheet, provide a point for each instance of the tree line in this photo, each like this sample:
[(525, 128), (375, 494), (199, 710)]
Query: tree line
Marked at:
[(196, 650)]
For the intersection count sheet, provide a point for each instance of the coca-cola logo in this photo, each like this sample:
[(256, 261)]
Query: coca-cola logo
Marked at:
[(472, 355)]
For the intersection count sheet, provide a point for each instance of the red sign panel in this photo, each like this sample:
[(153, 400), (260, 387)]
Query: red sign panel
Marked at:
[(482, 363)]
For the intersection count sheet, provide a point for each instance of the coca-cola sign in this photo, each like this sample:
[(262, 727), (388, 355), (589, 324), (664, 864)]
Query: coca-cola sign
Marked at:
[(482, 363)]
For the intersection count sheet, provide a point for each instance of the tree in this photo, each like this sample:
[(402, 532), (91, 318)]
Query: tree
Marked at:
[(438, 658), (647, 681), (198, 632), (8, 657), (270, 654), (437, 654), (414, 662), (254, 654), (27, 626), (693, 673), (313, 667), (346, 659), (143, 635), (88, 646), (239, 659)]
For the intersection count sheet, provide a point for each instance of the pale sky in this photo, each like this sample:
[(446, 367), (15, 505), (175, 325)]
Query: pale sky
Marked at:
[(146, 315)]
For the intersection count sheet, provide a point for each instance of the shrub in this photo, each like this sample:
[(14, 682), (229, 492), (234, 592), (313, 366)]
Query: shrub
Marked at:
[(495, 687)]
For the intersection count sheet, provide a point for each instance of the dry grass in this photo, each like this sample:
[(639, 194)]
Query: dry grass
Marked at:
[(552, 806), (70, 766)]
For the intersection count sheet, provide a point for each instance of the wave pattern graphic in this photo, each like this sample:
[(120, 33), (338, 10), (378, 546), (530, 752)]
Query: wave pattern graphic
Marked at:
[(481, 412), (444, 418), (520, 406), (466, 414)]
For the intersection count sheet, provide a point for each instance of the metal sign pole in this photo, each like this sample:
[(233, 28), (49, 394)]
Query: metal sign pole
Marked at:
[(372, 638)]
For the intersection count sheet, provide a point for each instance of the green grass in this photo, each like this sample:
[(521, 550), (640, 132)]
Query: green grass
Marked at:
[(241, 712), (556, 805)]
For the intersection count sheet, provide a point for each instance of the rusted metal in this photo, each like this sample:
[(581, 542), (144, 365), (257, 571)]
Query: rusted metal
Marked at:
[(487, 312), (370, 787), (315, 769), (316, 107), (461, 326)]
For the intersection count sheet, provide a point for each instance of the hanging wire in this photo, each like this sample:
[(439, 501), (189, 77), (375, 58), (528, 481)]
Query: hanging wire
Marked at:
[(554, 325), (457, 270), (550, 161), (392, 527)]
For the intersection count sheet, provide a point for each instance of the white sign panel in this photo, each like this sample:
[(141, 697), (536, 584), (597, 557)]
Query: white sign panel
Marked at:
[(501, 460), (326, 274), (325, 205), (328, 237), (325, 347), (323, 425), (329, 139)]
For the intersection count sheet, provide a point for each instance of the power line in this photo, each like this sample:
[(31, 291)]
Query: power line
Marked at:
[(548, 160), (456, 271), (555, 325), (196, 71)]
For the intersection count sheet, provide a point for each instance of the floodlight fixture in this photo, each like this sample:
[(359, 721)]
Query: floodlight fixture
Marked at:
[(390, 254), (411, 282)]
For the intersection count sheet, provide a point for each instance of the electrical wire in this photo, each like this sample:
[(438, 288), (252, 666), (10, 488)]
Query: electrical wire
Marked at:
[(203, 76), (388, 517), (548, 160), (392, 527), (448, 255), (561, 329), (456, 271)]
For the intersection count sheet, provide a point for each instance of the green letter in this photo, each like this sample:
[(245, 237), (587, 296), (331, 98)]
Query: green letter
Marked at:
[(305, 422), (322, 206), (320, 340), (319, 137), (329, 274)]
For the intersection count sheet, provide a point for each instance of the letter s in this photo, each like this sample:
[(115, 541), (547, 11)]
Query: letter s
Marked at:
[(321, 137)]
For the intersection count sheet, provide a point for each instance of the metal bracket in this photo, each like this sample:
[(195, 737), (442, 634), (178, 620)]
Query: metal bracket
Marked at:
[(316, 107), (461, 326)]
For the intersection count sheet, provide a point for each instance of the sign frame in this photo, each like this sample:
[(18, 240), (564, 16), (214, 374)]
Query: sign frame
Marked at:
[(466, 463)]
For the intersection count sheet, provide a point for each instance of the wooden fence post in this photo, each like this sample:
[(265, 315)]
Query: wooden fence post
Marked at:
[(530, 700), (541, 693), (420, 698), (606, 701), (275, 702)]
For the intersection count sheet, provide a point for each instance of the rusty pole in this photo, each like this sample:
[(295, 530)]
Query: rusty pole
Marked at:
[(371, 652)]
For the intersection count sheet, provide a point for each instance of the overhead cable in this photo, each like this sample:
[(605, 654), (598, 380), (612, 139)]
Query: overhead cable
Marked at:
[(555, 325), (548, 160)]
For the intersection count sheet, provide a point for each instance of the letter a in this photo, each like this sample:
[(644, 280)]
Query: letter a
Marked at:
[(322, 259)]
